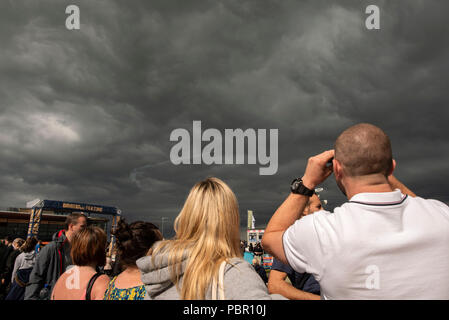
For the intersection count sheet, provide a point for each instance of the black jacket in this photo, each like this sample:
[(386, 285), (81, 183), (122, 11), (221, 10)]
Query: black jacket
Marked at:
[(50, 264), (4, 253), (9, 265)]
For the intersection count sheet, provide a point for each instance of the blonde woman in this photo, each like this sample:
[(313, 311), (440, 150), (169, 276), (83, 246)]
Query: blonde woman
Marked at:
[(206, 244)]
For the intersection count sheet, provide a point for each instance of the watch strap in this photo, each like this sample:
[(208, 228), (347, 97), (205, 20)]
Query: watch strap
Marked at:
[(298, 187)]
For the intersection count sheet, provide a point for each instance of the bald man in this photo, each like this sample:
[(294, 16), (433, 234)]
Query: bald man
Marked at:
[(384, 243), (302, 286)]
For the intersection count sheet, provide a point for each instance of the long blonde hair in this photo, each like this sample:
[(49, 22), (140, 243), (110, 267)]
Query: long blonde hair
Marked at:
[(207, 230)]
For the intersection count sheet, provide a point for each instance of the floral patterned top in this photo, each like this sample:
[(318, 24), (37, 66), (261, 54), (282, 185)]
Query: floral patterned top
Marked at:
[(113, 293)]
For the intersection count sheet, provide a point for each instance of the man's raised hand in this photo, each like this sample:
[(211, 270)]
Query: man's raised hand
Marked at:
[(316, 170)]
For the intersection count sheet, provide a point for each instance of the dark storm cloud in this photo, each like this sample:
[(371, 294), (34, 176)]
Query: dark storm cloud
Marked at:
[(86, 115)]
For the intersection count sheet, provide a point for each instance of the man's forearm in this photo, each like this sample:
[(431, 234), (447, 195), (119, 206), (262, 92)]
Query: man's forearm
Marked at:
[(290, 292), (289, 211), (286, 215)]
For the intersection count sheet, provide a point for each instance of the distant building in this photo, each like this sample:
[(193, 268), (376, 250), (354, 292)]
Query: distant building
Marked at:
[(16, 223), (253, 234)]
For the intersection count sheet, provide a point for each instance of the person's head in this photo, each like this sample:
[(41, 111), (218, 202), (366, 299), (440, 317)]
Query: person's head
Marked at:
[(362, 152), (134, 240), (9, 240), (74, 223), (208, 229), (313, 205), (29, 245), (89, 247), (210, 211), (17, 243)]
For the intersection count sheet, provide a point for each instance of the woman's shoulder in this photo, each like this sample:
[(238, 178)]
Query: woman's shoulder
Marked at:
[(19, 258), (237, 261), (241, 281), (103, 278), (238, 265), (100, 286)]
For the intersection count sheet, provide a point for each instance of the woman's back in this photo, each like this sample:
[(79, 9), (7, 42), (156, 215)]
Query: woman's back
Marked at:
[(126, 286), (133, 241), (73, 283), (240, 281)]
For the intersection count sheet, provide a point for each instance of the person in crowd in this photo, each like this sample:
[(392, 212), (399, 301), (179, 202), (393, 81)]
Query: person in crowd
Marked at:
[(54, 258), (251, 248), (116, 265), (133, 242), (82, 281), (384, 243), (107, 269), (302, 286), (242, 247), (38, 246), (2, 247), (258, 251), (260, 270), (26, 258), (203, 261), (5, 251), (22, 268), (5, 276), (11, 254)]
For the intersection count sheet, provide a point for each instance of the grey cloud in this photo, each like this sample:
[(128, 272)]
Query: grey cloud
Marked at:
[(86, 115)]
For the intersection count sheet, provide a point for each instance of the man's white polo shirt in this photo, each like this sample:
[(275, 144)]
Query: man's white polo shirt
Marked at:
[(376, 246)]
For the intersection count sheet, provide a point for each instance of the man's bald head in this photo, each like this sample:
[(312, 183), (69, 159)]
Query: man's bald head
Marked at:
[(364, 149)]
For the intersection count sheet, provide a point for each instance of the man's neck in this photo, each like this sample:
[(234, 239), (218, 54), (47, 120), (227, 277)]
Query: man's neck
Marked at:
[(68, 235), (365, 184)]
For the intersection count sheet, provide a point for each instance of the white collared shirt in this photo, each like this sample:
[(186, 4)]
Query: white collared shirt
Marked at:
[(376, 246)]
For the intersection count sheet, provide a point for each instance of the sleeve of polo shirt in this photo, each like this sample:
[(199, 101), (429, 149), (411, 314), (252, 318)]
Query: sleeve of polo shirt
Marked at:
[(279, 266), (440, 205), (302, 246)]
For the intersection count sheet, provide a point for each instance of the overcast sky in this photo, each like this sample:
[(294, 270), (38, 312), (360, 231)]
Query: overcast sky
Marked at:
[(86, 115)]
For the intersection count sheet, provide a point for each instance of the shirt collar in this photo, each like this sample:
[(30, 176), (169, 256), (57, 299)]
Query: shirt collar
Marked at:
[(379, 198)]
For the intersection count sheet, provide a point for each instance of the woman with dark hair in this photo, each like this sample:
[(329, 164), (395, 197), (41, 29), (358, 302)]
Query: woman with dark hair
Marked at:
[(82, 281), (133, 242)]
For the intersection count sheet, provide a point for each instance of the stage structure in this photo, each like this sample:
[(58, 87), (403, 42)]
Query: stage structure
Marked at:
[(65, 208)]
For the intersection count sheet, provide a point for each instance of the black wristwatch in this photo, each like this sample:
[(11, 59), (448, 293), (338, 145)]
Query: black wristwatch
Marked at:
[(298, 188)]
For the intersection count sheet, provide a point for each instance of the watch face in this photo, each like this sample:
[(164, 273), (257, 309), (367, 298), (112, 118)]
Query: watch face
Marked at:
[(298, 188), (295, 184)]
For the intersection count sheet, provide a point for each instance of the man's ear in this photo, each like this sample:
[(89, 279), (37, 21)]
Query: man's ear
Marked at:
[(337, 168), (393, 166)]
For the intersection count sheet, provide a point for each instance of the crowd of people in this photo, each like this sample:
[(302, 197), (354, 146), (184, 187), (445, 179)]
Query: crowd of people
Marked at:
[(384, 243)]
